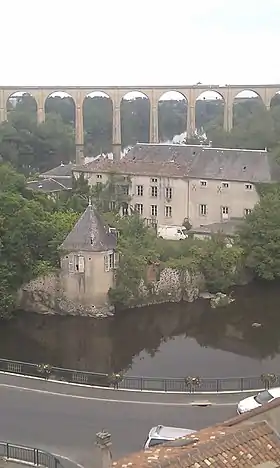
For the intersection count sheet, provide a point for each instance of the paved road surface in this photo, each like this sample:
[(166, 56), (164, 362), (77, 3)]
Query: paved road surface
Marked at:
[(67, 425)]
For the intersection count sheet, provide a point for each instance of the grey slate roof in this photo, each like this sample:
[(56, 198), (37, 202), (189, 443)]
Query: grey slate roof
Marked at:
[(50, 185), (89, 234), (227, 227), (190, 162), (207, 162), (63, 170)]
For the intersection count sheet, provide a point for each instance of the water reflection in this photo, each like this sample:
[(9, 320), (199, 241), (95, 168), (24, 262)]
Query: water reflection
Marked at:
[(167, 340)]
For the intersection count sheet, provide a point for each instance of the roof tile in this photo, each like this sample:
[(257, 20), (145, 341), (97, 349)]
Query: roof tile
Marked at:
[(189, 161), (89, 234), (236, 446)]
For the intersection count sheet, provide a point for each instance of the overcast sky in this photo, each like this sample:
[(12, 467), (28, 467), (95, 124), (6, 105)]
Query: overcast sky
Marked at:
[(147, 42)]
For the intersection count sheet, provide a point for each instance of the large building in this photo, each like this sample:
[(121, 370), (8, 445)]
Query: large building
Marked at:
[(172, 183)]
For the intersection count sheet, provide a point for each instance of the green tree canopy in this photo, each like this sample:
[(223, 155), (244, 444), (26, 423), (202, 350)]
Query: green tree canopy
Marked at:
[(260, 236)]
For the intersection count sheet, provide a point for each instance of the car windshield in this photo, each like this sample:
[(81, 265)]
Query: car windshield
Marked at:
[(263, 397), (154, 442)]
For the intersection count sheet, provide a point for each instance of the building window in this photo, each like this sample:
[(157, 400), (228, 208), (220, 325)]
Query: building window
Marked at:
[(125, 189), (99, 176), (168, 211), (153, 180), (154, 192), (139, 190), (248, 186), (112, 205), (125, 209), (154, 210), (109, 261), (247, 211), (225, 210), (139, 208), (168, 192), (203, 210), (71, 264), (79, 264), (225, 185), (203, 183)]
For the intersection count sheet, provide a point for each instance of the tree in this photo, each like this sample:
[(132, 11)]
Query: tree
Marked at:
[(30, 233), (260, 236), (113, 195), (30, 147)]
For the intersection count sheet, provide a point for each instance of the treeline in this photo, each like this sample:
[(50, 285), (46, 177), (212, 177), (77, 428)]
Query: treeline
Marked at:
[(31, 229), (37, 147)]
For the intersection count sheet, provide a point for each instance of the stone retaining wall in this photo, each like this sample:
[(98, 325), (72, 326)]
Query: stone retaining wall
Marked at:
[(44, 295)]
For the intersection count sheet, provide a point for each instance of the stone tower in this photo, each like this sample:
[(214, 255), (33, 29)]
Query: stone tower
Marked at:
[(88, 260)]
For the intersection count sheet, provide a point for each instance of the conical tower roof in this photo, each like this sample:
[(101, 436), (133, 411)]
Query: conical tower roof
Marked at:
[(89, 234)]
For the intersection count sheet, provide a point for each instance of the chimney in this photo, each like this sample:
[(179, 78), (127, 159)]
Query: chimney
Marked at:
[(103, 441)]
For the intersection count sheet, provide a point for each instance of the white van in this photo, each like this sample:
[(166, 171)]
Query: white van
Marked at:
[(162, 434), (172, 232)]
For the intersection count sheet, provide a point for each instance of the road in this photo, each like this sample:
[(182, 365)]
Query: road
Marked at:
[(64, 419)]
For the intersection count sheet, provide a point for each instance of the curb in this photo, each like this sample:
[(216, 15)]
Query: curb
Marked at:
[(130, 390)]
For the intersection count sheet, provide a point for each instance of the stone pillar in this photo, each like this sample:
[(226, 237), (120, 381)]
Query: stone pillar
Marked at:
[(40, 99), (153, 120), (79, 129), (228, 114), (103, 441), (3, 107), (191, 127), (117, 139)]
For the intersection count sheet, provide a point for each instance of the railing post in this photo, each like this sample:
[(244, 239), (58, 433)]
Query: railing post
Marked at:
[(7, 450)]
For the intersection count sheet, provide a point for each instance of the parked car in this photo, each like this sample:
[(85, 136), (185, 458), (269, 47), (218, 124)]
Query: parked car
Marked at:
[(258, 400), (172, 232), (162, 434)]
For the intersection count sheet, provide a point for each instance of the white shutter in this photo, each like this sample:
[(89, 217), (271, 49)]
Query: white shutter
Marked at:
[(116, 259), (71, 264), (106, 262), (81, 264)]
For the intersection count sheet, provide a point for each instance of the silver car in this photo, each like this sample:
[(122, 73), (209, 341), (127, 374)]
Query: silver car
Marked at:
[(258, 400), (162, 434)]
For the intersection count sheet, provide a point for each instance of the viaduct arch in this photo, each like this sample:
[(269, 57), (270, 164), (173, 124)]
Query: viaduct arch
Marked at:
[(116, 93)]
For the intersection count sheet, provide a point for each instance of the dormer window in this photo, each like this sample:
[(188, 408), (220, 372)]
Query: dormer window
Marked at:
[(203, 183), (248, 186), (99, 176)]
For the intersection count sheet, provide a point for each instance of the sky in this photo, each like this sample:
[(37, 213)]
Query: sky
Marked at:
[(147, 42)]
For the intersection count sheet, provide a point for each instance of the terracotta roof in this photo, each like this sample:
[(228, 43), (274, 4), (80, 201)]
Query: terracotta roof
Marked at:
[(219, 446), (89, 234), (189, 161)]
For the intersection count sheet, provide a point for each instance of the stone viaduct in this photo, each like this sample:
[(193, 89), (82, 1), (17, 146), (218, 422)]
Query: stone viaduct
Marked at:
[(153, 93)]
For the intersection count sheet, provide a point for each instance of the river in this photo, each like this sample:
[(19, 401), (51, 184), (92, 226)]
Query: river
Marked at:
[(170, 340)]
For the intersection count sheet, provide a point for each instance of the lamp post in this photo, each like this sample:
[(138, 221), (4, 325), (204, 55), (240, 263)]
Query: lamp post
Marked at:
[(103, 441)]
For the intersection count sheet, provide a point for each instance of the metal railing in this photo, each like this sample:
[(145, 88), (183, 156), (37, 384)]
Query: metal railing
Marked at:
[(28, 455), (183, 385)]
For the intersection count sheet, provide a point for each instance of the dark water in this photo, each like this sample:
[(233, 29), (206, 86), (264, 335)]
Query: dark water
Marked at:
[(170, 340)]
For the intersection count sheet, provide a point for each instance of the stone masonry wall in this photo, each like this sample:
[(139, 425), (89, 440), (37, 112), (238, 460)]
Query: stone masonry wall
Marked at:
[(44, 295), (172, 286)]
